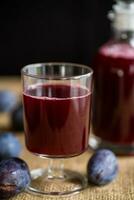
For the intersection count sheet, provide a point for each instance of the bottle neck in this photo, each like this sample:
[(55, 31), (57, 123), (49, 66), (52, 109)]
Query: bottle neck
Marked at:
[(122, 17), (123, 36)]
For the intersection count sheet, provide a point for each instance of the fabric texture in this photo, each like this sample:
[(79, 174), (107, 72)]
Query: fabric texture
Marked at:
[(122, 188)]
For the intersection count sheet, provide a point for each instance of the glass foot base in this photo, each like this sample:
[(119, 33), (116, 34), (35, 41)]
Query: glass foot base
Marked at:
[(44, 183), (119, 149)]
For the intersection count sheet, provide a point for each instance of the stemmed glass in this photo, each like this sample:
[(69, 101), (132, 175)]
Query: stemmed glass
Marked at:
[(57, 104)]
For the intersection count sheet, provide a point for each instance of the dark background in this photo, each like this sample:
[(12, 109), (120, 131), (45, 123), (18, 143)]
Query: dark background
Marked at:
[(51, 30)]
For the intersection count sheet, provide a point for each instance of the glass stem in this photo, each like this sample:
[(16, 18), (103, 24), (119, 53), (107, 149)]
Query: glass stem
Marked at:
[(56, 168)]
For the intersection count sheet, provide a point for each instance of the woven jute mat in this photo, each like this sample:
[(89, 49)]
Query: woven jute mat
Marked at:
[(120, 189)]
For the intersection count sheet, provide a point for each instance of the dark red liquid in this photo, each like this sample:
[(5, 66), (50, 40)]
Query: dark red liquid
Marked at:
[(113, 112), (57, 119)]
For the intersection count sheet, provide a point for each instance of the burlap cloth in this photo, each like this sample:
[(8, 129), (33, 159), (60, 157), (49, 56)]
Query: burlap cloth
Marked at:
[(120, 189)]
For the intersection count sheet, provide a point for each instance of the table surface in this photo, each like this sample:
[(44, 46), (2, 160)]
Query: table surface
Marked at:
[(120, 189)]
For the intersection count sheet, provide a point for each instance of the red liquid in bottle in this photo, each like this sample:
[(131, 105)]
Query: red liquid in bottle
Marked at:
[(113, 112), (57, 119)]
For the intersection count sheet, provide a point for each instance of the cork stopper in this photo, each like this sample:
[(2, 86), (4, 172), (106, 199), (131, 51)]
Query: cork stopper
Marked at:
[(122, 15)]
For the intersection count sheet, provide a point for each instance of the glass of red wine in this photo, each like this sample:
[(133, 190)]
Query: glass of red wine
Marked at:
[(57, 107)]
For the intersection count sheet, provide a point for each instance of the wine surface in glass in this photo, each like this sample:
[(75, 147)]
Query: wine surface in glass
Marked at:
[(56, 119)]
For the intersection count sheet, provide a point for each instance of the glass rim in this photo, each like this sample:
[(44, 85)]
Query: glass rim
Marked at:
[(50, 77)]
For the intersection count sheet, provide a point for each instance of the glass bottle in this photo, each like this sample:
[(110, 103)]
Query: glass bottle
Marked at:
[(113, 98)]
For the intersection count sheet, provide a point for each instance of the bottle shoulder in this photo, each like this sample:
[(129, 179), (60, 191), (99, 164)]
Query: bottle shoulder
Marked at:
[(115, 56), (115, 49)]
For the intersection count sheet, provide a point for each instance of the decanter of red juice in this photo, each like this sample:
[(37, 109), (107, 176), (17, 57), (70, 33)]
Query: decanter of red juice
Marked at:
[(113, 98)]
